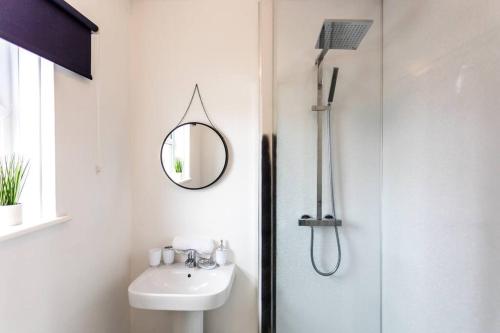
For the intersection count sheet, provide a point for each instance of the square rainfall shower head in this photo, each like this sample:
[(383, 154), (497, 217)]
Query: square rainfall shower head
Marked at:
[(342, 34)]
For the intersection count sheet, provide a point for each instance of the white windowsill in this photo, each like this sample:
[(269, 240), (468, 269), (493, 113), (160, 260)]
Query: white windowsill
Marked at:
[(9, 232)]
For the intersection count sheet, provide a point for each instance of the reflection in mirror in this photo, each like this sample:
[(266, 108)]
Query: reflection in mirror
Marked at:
[(194, 155)]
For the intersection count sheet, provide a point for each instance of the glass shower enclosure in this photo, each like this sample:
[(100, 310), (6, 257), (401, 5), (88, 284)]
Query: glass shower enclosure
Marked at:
[(294, 297)]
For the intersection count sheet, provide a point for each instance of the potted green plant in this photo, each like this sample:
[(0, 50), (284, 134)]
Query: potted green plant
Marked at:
[(13, 172), (178, 165)]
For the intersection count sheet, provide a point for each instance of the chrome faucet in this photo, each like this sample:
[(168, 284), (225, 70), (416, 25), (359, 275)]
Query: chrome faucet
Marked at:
[(191, 258)]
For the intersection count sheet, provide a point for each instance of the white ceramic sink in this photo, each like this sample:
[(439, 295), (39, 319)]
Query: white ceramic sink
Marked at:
[(178, 288)]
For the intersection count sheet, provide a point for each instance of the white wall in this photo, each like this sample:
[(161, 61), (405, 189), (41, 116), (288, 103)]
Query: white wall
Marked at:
[(350, 301), (175, 44), (441, 167), (74, 277)]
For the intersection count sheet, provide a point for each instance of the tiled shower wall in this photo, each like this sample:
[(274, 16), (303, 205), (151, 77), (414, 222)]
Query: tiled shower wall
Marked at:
[(441, 166)]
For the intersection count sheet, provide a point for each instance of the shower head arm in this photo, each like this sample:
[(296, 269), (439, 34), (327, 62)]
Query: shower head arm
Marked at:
[(321, 56)]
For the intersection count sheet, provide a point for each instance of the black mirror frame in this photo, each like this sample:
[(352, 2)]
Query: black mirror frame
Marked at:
[(225, 149)]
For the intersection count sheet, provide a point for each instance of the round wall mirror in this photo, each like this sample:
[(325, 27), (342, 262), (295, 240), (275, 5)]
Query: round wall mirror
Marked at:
[(194, 155)]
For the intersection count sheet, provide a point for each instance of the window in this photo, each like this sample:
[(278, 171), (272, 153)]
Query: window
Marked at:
[(178, 151), (27, 125)]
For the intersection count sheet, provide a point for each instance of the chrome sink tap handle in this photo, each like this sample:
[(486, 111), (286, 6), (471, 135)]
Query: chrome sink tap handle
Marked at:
[(191, 258)]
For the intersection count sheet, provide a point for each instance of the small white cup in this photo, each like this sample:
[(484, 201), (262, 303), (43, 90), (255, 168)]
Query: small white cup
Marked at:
[(168, 255), (154, 257)]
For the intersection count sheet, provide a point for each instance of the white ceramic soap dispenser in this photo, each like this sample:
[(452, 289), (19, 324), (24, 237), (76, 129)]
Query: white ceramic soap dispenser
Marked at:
[(221, 254)]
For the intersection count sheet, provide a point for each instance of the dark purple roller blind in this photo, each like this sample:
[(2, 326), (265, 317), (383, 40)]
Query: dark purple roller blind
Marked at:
[(50, 28)]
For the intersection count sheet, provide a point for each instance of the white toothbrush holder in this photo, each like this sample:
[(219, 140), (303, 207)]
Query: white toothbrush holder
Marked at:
[(168, 255), (154, 257)]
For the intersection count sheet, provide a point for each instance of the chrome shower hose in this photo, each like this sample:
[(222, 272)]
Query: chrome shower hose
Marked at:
[(332, 196)]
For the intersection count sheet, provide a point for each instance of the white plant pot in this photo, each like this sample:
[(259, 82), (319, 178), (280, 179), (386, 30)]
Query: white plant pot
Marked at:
[(11, 215)]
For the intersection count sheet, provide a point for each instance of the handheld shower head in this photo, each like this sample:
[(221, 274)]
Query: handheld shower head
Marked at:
[(333, 84)]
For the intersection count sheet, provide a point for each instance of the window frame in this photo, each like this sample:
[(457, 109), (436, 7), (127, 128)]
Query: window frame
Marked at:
[(30, 119)]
